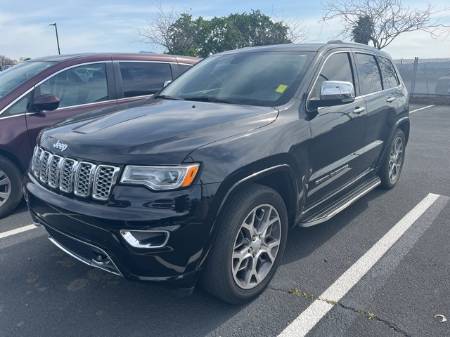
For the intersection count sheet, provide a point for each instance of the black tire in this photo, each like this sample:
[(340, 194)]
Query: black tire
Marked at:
[(15, 188), (217, 278), (386, 179)]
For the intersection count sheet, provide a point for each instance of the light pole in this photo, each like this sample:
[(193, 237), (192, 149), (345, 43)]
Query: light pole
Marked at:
[(57, 37)]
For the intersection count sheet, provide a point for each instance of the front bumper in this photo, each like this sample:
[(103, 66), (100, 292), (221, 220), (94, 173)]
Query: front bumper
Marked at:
[(90, 231)]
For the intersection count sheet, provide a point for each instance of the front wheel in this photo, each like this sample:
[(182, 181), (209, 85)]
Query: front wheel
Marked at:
[(10, 187), (393, 161), (249, 245)]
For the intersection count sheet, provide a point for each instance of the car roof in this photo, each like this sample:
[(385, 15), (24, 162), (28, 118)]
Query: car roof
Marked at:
[(311, 47), (88, 57)]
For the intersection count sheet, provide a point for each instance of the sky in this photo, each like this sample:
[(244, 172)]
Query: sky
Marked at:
[(115, 25)]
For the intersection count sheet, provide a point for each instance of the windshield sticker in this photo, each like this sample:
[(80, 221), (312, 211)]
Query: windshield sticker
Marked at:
[(281, 88)]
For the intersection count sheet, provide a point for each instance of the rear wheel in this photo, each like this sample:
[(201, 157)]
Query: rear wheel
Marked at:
[(10, 187), (250, 243), (393, 162)]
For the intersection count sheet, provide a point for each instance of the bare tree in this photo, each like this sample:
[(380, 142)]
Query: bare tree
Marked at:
[(6, 61), (296, 30), (162, 29), (390, 18)]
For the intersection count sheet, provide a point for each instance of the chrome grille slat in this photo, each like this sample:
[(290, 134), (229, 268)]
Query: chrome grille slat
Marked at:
[(68, 168), (104, 179), (45, 156), (83, 179), (53, 171), (36, 161)]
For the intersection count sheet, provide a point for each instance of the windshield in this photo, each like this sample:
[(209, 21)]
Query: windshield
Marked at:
[(19, 74), (253, 78)]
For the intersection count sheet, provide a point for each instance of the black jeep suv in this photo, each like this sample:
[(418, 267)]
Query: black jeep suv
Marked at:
[(202, 182)]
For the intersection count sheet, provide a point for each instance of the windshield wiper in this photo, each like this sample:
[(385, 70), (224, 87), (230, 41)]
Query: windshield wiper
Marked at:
[(168, 97), (207, 99)]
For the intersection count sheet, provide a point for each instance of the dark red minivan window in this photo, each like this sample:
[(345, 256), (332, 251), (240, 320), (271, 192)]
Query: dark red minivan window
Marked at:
[(19, 74)]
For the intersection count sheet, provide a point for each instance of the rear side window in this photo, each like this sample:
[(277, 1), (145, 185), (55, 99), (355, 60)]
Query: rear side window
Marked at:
[(78, 85), (369, 74), (390, 79), (143, 78), (336, 68)]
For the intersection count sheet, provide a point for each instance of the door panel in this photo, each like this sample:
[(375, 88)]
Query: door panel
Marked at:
[(337, 133), (379, 84), (13, 135), (383, 108), (378, 111), (336, 147)]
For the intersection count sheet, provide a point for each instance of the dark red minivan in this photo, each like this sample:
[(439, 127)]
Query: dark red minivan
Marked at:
[(41, 92)]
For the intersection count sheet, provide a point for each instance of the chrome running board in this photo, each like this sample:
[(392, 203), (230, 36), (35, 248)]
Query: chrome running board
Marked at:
[(325, 214)]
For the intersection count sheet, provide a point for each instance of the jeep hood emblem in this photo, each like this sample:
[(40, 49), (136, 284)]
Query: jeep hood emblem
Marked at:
[(60, 146)]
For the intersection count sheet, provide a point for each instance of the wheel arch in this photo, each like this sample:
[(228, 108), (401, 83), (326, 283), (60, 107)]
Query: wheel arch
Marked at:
[(405, 125), (8, 155), (402, 124), (279, 175)]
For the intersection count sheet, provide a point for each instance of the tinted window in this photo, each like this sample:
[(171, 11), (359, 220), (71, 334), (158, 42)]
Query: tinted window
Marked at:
[(390, 79), (143, 78), (336, 68), (80, 85), (20, 107), (369, 74), (19, 74), (179, 69), (253, 78)]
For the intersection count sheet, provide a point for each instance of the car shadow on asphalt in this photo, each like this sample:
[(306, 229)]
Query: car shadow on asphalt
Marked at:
[(304, 241)]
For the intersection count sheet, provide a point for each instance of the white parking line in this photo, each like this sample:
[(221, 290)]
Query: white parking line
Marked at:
[(422, 108), (320, 307), (16, 231)]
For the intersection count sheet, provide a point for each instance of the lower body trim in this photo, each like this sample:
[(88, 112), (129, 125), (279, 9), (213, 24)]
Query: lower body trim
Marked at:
[(105, 263)]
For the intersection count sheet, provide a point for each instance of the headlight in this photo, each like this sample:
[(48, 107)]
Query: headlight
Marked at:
[(160, 178)]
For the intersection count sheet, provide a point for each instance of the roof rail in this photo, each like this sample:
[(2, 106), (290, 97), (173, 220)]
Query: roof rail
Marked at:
[(335, 41)]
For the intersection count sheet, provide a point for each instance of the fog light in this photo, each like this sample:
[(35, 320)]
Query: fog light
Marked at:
[(145, 238)]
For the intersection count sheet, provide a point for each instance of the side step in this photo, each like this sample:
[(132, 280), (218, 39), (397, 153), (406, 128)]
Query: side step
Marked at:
[(326, 213)]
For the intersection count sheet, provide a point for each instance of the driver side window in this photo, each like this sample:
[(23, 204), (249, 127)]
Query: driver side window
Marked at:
[(336, 68), (79, 85)]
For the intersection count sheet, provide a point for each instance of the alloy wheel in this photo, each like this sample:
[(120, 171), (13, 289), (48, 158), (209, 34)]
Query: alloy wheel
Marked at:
[(256, 246), (396, 159), (5, 188)]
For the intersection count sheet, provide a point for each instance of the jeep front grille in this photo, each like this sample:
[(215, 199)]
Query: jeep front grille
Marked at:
[(68, 175)]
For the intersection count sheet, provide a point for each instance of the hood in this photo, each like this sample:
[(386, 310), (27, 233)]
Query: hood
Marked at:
[(157, 132)]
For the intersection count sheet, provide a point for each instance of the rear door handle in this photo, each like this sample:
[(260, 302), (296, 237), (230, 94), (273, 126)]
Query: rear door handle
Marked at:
[(359, 110), (391, 99)]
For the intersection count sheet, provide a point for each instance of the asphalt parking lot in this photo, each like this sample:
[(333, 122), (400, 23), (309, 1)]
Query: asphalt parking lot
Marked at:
[(398, 292)]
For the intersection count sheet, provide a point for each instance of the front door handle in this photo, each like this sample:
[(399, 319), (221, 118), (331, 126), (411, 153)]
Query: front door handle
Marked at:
[(391, 99), (358, 110)]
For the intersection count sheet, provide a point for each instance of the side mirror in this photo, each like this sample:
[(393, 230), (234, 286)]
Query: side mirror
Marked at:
[(45, 103), (166, 83), (336, 92)]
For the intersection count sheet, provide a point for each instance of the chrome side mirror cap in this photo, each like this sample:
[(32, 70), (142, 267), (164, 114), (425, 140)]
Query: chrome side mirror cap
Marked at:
[(336, 92)]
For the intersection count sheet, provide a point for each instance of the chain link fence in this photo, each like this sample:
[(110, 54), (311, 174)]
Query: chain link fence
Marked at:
[(426, 78)]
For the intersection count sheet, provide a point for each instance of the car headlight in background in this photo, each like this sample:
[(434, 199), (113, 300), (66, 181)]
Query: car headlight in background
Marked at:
[(160, 178)]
